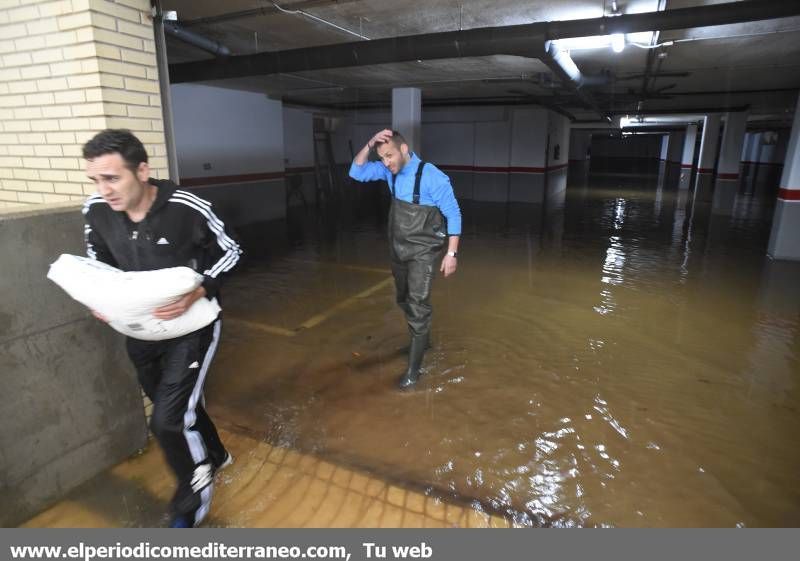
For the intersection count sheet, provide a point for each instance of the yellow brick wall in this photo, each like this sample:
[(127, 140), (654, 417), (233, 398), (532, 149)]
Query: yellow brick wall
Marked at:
[(69, 68)]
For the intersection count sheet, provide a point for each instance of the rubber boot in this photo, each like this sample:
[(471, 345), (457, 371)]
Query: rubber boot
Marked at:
[(428, 344), (415, 354)]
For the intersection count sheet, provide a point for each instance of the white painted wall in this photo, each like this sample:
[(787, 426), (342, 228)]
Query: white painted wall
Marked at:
[(449, 143), (492, 144), (528, 142), (493, 137), (676, 140), (579, 143), (643, 146), (357, 127), (298, 138), (558, 129), (236, 132)]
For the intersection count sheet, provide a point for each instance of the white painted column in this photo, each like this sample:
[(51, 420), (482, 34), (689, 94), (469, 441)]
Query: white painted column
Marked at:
[(784, 241), (675, 147), (407, 116), (665, 148), (755, 148), (732, 144), (687, 160), (709, 143), (748, 139)]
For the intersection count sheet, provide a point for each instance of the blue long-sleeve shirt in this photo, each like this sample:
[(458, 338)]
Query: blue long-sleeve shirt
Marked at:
[(434, 189)]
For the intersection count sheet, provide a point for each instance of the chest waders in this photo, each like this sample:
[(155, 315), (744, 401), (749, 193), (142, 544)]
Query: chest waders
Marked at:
[(416, 236)]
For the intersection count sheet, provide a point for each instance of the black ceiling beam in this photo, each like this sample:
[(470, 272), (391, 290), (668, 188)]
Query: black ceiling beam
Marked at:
[(438, 102), (686, 111), (521, 40)]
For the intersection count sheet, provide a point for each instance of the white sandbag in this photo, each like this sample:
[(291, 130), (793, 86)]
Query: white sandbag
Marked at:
[(128, 299)]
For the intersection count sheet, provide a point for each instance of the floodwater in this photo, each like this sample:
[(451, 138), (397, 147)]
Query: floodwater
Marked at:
[(622, 355)]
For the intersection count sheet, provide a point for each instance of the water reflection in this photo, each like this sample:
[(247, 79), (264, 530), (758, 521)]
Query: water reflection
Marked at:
[(670, 400)]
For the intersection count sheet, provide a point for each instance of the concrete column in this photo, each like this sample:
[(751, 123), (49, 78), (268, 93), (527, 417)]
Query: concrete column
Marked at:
[(748, 139), (709, 143), (732, 144), (675, 147), (784, 241), (407, 115), (755, 148), (664, 148), (687, 160)]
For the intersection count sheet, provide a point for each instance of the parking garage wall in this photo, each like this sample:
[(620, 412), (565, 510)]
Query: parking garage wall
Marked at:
[(495, 154), (230, 147), (298, 152), (70, 404)]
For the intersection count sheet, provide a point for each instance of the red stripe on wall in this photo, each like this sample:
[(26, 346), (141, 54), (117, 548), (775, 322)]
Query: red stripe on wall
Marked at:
[(705, 170), (789, 194), (266, 176), (687, 166), (749, 163), (243, 178), (221, 179), (496, 169), (727, 176)]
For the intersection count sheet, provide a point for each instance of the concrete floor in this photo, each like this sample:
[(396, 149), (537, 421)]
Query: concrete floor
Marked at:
[(266, 487)]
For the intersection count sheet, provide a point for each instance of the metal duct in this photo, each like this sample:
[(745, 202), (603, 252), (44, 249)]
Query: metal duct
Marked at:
[(195, 39)]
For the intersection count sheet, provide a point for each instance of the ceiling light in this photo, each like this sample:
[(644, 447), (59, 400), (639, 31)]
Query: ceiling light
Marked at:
[(579, 43), (618, 42)]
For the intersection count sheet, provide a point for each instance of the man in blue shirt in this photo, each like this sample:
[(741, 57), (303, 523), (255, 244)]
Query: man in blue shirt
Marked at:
[(424, 213)]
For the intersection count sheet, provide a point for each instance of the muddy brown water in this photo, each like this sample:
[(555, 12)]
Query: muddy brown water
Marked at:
[(621, 355)]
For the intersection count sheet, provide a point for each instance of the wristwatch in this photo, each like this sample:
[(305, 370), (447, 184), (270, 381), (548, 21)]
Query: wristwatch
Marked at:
[(452, 254)]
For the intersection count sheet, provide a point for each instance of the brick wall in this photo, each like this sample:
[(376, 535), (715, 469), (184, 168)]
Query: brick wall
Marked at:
[(69, 68)]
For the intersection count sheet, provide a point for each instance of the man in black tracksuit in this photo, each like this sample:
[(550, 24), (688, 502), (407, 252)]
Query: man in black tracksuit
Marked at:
[(136, 223)]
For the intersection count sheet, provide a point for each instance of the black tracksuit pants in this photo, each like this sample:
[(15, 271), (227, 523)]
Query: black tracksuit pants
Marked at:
[(172, 374)]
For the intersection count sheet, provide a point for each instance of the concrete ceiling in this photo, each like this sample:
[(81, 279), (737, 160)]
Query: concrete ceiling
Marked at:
[(753, 64)]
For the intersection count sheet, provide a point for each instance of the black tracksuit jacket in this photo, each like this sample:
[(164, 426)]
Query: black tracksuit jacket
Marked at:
[(181, 229)]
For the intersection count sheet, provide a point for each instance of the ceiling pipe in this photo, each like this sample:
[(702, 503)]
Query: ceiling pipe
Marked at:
[(195, 39), (529, 40), (568, 72)]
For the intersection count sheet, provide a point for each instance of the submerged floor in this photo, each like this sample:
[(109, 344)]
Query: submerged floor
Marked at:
[(624, 355), (266, 487)]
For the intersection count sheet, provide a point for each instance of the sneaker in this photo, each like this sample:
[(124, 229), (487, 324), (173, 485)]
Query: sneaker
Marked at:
[(180, 522), (225, 463)]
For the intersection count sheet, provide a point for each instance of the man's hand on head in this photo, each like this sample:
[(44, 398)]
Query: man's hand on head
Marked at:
[(383, 136), (179, 307)]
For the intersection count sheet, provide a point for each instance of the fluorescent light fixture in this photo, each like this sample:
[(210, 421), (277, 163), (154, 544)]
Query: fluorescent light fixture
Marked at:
[(618, 42), (581, 43)]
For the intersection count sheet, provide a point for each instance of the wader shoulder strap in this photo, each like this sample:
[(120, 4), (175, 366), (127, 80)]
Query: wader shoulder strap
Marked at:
[(417, 182)]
